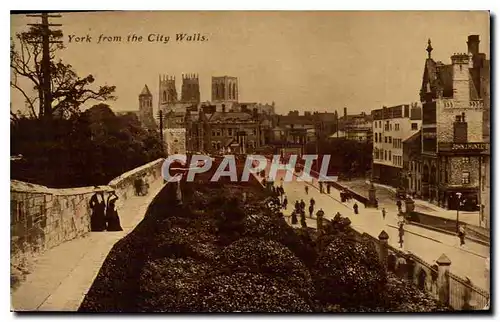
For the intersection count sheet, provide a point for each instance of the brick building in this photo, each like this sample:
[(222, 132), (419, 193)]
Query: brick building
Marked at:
[(391, 127), (454, 149)]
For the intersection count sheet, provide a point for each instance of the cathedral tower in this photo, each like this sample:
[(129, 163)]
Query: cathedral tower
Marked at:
[(167, 92), (225, 88), (190, 88)]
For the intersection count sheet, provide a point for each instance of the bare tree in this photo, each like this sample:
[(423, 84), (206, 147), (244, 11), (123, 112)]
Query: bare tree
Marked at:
[(69, 92)]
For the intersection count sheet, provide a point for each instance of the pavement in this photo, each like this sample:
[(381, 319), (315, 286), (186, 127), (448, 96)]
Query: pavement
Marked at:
[(386, 197), (62, 276), (467, 261)]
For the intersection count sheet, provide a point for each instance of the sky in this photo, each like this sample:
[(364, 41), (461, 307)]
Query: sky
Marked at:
[(305, 61)]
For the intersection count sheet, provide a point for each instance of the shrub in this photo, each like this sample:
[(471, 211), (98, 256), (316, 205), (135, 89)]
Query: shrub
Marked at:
[(249, 292)]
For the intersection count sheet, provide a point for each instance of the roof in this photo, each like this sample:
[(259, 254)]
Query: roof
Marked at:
[(225, 117), (440, 77), (145, 91), (413, 138)]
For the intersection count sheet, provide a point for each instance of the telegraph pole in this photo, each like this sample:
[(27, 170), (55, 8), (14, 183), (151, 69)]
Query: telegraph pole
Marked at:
[(46, 41)]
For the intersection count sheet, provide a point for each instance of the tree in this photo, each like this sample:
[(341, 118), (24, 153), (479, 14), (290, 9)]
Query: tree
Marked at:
[(69, 91)]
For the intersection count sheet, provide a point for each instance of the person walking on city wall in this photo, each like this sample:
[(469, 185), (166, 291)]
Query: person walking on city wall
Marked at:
[(320, 187), (285, 202), (297, 206), (312, 202), (383, 213), (112, 218), (307, 190), (401, 234), (399, 204), (355, 207), (461, 235)]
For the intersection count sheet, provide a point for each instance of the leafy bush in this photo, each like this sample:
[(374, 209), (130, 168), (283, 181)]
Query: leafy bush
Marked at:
[(349, 273), (252, 255), (249, 292)]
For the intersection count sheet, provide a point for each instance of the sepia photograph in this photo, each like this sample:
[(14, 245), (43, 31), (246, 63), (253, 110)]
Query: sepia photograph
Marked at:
[(250, 161)]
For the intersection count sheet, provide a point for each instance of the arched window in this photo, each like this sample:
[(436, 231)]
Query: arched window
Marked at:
[(234, 91), (164, 96), (230, 91)]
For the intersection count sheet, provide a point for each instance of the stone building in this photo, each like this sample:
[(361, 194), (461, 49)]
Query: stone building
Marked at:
[(454, 149), (146, 109), (175, 141), (391, 127)]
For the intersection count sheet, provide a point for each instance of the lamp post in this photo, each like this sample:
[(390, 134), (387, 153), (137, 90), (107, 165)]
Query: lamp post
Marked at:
[(459, 195)]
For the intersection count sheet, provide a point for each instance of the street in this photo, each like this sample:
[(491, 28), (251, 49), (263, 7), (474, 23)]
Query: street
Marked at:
[(426, 244)]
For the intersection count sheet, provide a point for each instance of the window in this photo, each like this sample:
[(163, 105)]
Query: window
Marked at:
[(385, 139), (390, 139), (385, 155), (230, 132), (389, 155), (213, 132), (376, 137), (396, 126), (465, 177), (254, 132), (414, 126)]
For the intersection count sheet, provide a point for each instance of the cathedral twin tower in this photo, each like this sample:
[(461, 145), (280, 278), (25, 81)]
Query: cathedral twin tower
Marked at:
[(224, 88)]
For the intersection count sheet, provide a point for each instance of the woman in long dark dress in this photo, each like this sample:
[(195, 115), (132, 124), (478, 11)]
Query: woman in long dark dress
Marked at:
[(97, 219), (112, 219)]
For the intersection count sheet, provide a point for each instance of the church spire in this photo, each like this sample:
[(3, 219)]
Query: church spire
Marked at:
[(429, 48)]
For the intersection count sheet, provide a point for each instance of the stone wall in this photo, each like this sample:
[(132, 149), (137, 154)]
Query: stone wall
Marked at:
[(42, 218)]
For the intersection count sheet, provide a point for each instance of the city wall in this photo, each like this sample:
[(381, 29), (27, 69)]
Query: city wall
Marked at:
[(42, 218)]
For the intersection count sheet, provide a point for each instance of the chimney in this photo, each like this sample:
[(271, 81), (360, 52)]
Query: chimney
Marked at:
[(473, 44), (461, 79), (345, 112)]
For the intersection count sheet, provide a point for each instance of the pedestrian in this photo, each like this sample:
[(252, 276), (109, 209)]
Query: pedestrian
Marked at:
[(98, 206), (355, 207), (112, 218), (398, 203), (383, 213), (297, 206), (320, 213), (294, 217), (307, 190), (401, 234), (302, 205), (320, 187), (461, 235), (312, 202), (285, 203), (328, 187), (311, 210), (303, 219)]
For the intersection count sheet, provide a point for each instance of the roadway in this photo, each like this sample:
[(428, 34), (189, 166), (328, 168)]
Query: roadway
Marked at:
[(467, 261)]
